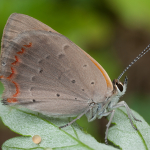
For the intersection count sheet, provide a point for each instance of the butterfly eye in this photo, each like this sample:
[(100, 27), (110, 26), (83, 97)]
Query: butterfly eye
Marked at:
[(120, 86)]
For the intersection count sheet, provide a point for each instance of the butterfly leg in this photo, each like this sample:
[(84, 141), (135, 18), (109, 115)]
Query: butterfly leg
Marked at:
[(109, 123), (84, 112), (129, 112)]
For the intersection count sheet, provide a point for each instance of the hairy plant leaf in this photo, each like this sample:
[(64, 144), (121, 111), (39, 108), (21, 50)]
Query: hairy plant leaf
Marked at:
[(28, 124)]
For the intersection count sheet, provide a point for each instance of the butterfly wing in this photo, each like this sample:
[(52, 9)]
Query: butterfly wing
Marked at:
[(46, 72), (18, 23)]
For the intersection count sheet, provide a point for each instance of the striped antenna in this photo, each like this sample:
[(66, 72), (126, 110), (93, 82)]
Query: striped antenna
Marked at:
[(137, 58)]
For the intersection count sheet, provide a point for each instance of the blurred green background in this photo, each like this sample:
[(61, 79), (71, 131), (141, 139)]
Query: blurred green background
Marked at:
[(113, 32)]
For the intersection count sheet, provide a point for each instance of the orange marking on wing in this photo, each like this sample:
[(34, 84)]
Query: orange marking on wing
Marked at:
[(17, 89), (13, 71), (29, 45), (11, 100), (17, 59), (2, 77), (22, 51), (97, 65), (109, 84)]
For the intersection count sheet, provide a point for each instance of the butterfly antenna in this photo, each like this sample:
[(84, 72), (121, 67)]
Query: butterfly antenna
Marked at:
[(137, 58)]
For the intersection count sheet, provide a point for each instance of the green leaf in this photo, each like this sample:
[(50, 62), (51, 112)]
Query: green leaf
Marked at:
[(28, 124), (123, 135)]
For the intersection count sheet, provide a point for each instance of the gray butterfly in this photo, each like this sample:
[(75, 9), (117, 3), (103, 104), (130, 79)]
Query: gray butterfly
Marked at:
[(44, 71)]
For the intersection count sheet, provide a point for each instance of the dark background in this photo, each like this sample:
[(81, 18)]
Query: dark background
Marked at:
[(113, 32)]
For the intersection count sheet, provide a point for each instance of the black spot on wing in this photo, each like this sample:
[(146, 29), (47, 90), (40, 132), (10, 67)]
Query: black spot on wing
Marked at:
[(58, 95), (84, 65), (61, 55), (4, 102), (73, 81)]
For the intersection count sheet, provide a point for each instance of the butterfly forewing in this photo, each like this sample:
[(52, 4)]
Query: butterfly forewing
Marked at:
[(45, 71)]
